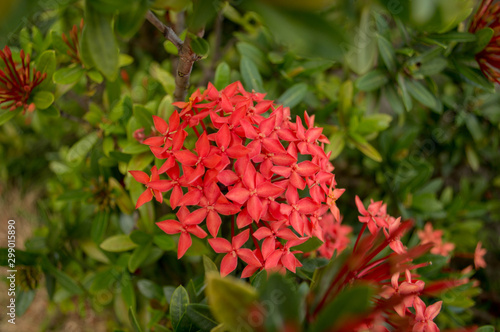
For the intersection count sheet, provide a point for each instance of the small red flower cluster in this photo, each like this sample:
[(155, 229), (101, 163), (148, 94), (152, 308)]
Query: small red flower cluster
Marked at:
[(251, 161), (73, 42), (17, 81), (488, 16)]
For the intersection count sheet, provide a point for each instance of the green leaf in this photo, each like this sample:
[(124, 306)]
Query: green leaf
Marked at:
[(222, 75), (99, 225), (95, 76), (486, 328), (62, 278), (365, 147), (394, 99), (68, 75), (164, 77), (432, 67), (311, 244), (373, 123), (423, 95), (139, 237), (135, 148), (99, 37), (255, 54), (203, 13), (178, 304), (24, 299), (387, 52), (472, 157), (138, 256), (149, 289), (427, 202), (372, 81), (52, 112), (22, 257), (475, 77), (362, 51), (118, 243), (46, 64), (474, 127), (103, 280), (133, 320), (140, 161), (129, 21), (164, 242), (201, 317), (209, 265), (229, 292), (127, 290), (251, 76), (458, 37), (6, 115), (337, 143), (81, 148), (405, 95), (351, 302), (110, 6), (294, 95), (199, 45), (483, 39), (43, 99)]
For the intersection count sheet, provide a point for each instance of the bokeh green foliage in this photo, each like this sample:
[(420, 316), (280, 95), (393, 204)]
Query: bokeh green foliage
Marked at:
[(410, 118)]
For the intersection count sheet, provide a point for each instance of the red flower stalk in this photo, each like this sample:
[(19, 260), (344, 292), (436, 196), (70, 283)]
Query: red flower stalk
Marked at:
[(488, 16), (73, 42), (17, 81)]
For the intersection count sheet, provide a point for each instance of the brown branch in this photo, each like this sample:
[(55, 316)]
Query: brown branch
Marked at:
[(167, 31), (186, 56)]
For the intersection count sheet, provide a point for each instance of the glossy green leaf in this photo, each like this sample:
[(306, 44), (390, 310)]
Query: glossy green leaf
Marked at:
[(373, 123), (139, 237), (43, 99), (199, 45), (337, 143), (454, 36), (118, 243), (46, 64), (178, 305), (311, 244), (149, 289), (164, 242), (68, 75)]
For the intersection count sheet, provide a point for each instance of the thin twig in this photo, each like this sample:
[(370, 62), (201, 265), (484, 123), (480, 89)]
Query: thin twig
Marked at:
[(167, 31), (186, 56)]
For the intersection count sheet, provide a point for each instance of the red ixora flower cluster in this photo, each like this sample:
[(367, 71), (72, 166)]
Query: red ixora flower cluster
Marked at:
[(488, 16), (250, 162), (17, 81)]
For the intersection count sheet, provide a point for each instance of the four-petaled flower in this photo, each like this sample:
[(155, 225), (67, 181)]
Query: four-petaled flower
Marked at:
[(233, 251), (424, 316), (185, 227)]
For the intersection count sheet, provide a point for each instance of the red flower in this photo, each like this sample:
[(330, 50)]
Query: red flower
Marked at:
[(488, 58), (233, 251), (424, 316), (185, 227), (145, 179), (18, 81), (479, 256)]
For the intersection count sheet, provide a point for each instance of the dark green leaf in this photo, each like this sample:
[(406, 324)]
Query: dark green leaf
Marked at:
[(80, 149), (423, 95), (24, 299), (43, 99), (475, 77), (458, 37), (310, 245), (99, 225), (200, 315), (130, 20), (46, 64), (178, 304), (149, 289), (133, 320), (164, 242), (102, 46), (199, 45), (483, 38), (365, 147), (139, 237), (6, 115), (111, 6), (405, 95), (127, 290), (62, 278)]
